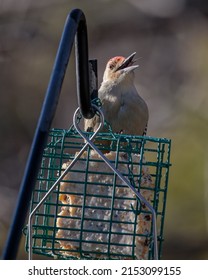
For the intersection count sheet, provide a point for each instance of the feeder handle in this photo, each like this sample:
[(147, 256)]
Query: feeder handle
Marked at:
[(82, 65)]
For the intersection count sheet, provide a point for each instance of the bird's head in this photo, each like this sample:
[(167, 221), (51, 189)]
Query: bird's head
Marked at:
[(120, 68)]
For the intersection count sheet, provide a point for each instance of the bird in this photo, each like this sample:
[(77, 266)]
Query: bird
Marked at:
[(123, 108)]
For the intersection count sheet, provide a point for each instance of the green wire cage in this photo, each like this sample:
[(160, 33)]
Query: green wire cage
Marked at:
[(88, 211)]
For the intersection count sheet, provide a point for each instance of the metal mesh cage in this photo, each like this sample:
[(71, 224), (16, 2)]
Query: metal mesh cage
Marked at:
[(92, 214)]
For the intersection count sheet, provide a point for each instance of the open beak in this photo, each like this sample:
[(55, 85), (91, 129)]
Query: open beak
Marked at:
[(127, 64)]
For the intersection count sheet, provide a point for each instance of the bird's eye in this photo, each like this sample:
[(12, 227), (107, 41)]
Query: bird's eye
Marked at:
[(111, 66)]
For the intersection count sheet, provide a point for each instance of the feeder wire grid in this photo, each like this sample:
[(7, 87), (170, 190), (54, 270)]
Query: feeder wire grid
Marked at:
[(92, 213)]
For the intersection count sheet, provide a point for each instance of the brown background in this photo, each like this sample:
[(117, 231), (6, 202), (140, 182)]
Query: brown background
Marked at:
[(171, 37)]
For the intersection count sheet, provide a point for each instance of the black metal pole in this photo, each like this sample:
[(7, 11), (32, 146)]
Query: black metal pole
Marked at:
[(82, 72), (75, 22)]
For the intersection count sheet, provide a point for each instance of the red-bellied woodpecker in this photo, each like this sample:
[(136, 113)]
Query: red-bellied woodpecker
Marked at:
[(123, 107)]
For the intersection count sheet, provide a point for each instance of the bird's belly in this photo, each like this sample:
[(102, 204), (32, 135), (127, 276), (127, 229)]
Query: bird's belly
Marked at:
[(129, 121)]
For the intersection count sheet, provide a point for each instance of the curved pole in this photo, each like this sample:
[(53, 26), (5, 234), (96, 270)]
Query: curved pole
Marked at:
[(75, 24)]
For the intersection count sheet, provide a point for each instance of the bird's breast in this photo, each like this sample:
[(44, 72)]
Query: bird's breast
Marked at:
[(125, 111)]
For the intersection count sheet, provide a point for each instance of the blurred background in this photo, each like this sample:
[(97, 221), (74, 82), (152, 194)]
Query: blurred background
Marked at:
[(171, 37)]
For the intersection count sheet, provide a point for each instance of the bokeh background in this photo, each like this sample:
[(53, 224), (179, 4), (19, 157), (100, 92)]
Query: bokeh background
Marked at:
[(171, 37)]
